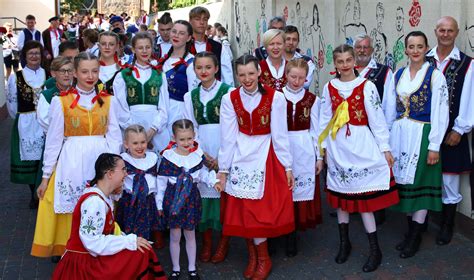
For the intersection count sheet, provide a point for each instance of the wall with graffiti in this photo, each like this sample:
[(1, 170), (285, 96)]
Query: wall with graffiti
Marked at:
[(324, 24)]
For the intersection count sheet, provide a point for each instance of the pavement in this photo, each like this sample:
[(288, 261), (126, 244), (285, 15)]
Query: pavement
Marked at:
[(315, 260)]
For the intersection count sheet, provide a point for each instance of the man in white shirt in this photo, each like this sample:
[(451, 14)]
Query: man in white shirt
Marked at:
[(458, 69), (27, 34), (199, 18)]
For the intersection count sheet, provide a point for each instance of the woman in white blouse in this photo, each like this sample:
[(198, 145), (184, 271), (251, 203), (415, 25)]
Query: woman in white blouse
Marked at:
[(255, 166), (96, 249), (82, 126), (417, 112), (27, 140), (141, 93)]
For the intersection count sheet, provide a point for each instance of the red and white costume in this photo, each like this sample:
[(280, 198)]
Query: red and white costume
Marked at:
[(255, 152)]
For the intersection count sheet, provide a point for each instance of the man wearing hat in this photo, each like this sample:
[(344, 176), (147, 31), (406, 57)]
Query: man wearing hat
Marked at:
[(52, 37)]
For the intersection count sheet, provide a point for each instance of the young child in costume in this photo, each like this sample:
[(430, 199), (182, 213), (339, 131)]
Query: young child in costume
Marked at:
[(93, 251), (141, 94), (82, 126), (418, 114), (358, 157), (137, 210), (255, 166), (302, 116), (178, 66), (181, 169), (202, 106)]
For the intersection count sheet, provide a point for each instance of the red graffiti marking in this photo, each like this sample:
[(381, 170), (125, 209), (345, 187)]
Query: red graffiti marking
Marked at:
[(320, 59), (415, 13)]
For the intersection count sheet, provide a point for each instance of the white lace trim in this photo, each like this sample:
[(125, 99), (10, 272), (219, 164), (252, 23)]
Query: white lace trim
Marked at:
[(362, 190)]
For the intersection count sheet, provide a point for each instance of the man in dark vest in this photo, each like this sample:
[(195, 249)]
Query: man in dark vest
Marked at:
[(199, 18), (379, 74), (458, 69), (52, 37), (27, 34)]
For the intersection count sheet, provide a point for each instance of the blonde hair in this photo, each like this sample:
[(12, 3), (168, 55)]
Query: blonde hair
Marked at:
[(59, 62), (134, 128), (271, 34), (297, 63)]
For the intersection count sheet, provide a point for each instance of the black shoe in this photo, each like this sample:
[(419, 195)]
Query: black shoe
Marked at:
[(174, 275), (55, 259), (344, 244), (193, 275), (34, 202), (375, 256), (400, 246), (414, 241), (379, 217), (447, 225), (291, 244)]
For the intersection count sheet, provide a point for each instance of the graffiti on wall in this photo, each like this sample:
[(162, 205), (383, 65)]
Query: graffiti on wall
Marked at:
[(415, 13), (243, 36), (399, 46), (351, 25)]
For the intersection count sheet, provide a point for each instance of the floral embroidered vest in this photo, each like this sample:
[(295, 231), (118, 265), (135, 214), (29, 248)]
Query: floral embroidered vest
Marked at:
[(267, 79), (138, 94), (357, 113), (109, 85), (210, 113), (178, 81), (377, 76), (27, 95), (301, 118), (82, 122), (50, 93), (416, 106), (74, 243), (257, 123), (455, 73)]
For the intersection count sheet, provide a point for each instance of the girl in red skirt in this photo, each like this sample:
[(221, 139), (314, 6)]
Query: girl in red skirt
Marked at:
[(93, 251), (255, 166), (358, 157), (302, 116)]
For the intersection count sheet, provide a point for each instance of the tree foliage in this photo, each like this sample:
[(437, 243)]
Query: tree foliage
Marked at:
[(70, 6)]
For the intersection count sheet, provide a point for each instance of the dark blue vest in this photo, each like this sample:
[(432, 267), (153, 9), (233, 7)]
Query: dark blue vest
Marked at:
[(377, 76), (419, 102), (177, 81), (455, 159), (29, 36)]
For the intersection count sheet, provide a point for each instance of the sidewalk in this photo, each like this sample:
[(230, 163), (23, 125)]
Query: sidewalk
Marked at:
[(314, 261)]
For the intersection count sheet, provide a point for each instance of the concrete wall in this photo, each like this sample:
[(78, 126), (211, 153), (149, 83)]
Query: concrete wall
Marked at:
[(324, 24), (41, 9)]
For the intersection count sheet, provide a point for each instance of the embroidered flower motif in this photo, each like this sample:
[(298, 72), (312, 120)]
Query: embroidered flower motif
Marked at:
[(350, 174)]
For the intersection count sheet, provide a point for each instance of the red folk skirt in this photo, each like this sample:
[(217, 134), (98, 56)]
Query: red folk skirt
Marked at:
[(308, 213), (270, 216), (124, 265), (364, 202)]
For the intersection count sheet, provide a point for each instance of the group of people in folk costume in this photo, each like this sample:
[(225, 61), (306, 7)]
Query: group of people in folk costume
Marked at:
[(121, 153)]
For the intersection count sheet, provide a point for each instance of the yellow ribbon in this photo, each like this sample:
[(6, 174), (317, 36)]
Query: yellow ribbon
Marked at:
[(340, 118), (117, 230)]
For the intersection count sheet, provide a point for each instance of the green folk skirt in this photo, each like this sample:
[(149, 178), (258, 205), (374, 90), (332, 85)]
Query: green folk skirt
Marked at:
[(425, 192), (21, 171), (211, 215)]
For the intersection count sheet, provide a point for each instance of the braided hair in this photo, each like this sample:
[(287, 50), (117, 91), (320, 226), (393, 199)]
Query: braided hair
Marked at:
[(189, 29), (82, 56), (342, 49), (104, 163)]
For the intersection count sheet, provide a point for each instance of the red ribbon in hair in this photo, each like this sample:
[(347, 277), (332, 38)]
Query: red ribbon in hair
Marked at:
[(72, 90), (179, 62), (171, 144), (102, 93), (119, 63)]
